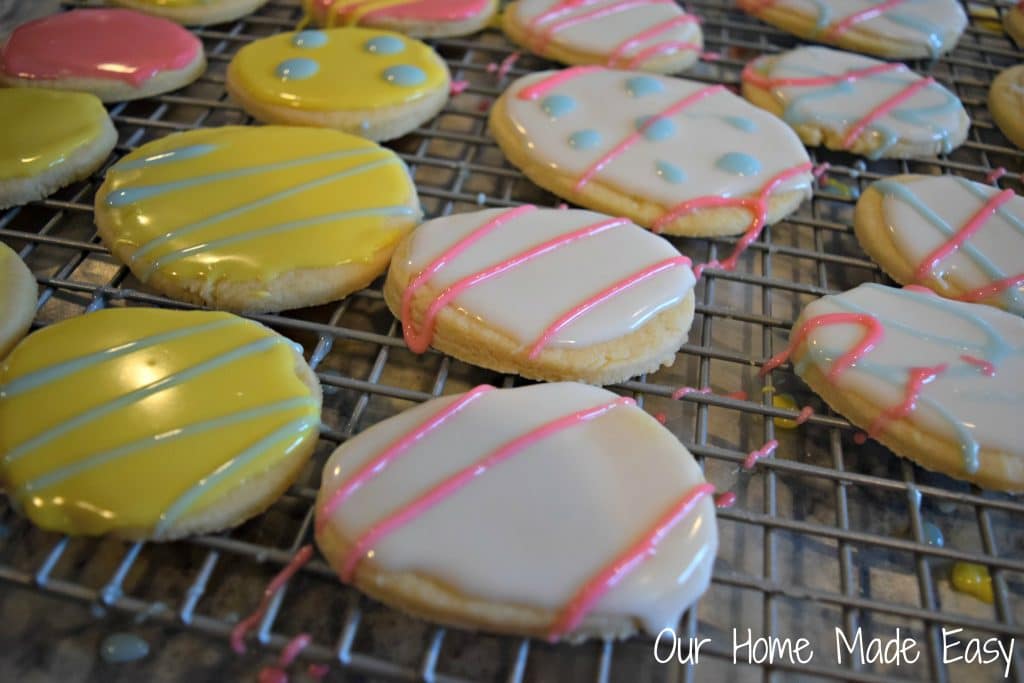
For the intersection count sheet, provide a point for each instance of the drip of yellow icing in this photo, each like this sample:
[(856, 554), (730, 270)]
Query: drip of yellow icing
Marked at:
[(133, 418), (785, 402), (363, 8), (41, 128), (973, 579)]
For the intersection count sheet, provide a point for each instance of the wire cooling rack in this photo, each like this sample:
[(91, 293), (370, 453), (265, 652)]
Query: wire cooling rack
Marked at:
[(827, 534)]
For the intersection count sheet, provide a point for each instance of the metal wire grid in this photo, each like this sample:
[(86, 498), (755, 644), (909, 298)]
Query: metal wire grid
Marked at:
[(825, 534)]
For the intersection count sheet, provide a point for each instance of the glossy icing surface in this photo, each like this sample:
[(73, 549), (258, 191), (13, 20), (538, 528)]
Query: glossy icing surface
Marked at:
[(354, 12), (928, 212), (246, 203), (114, 44), (851, 94), (537, 527), (626, 33), (620, 106), (131, 418), (344, 70), (933, 24), (42, 127), (918, 354), (533, 251)]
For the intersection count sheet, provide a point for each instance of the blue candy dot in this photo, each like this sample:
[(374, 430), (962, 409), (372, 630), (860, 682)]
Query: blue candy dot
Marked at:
[(638, 86), (557, 106), (741, 123), (585, 139), (309, 39), (738, 163), (384, 45), (670, 173), (658, 129), (297, 69), (405, 75)]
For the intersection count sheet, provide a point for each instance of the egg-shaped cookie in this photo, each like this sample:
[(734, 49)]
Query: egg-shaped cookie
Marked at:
[(255, 219), (420, 18), (529, 511), (376, 84), (18, 292), (153, 424), (1006, 103), (545, 293)]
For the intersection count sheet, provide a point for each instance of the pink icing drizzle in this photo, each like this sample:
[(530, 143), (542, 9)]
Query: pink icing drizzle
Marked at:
[(884, 108), (737, 395), (683, 391), (918, 377), (764, 451), (872, 336), (725, 500), (543, 86), (279, 672), (276, 584), (995, 175), (458, 87), (987, 368), (317, 671), (117, 44), (419, 10), (619, 53), (439, 492), (619, 568), (805, 414)]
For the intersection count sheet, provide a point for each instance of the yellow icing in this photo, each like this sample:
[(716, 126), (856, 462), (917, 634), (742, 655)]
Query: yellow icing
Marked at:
[(973, 579), (49, 423), (42, 127), (247, 203), (785, 402), (349, 77), (357, 15)]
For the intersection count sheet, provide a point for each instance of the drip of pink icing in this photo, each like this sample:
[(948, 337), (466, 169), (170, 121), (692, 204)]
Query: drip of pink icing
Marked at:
[(987, 368), (107, 44), (995, 175), (860, 438), (820, 170), (840, 27), (993, 288), (417, 10), (884, 108), (725, 500), (683, 391), (805, 415), (378, 464), (738, 395), (501, 70), (918, 377), (317, 671), (458, 87), (454, 483), (661, 417), (243, 627), (543, 86), (293, 649), (764, 451), (611, 575), (872, 335), (619, 53), (597, 13), (272, 674)]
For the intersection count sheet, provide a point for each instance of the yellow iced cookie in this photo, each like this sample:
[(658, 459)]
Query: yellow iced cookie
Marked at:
[(257, 218), (149, 423), (18, 293), (194, 12), (377, 84)]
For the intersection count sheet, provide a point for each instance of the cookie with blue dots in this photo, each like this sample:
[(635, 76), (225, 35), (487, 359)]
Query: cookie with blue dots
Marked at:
[(376, 84)]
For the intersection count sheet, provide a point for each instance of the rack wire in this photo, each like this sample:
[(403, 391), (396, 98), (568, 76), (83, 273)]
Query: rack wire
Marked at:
[(827, 533)]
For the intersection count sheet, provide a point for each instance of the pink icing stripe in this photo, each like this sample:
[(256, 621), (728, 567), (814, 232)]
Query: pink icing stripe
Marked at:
[(840, 27), (554, 80), (419, 341), (973, 225), (683, 391), (761, 453), (993, 289), (597, 13), (454, 483), (276, 584), (805, 414), (752, 75), (623, 565), (725, 500), (620, 50), (634, 137), (873, 335), (884, 108), (911, 392), (378, 464), (661, 48), (293, 649), (987, 368)]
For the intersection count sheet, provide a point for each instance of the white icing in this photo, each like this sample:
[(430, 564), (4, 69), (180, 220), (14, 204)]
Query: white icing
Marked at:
[(923, 330), (703, 135), (602, 34), (526, 299), (998, 244), (534, 529)]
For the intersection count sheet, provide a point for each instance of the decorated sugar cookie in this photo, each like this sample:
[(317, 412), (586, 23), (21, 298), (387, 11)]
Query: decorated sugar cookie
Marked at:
[(257, 218), (490, 288), (857, 104), (962, 239), (50, 139), (116, 54), (148, 423), (1013, 22), (676, 156), (1006, 102), (895, 29), (937, 381), (376, 84), (528, 511), (648, 35), (18, 293), (195, 12), (421, 18)]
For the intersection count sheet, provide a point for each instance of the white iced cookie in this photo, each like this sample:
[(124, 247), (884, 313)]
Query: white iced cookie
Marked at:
[(857, 104), (935, 380), (547, 294), (964, 240), (676, 156), (646, 35), (18, 292), (895, 29), (527, 511)]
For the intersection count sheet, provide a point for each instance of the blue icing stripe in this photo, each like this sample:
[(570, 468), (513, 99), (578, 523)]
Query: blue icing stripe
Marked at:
[(309, 39), (181, 154), (741, 123), (670, 173), (297, 69), (638, 86), (738, 163), (384, 45), (557, 106), (405, 75), (658, 129), (585, 139)]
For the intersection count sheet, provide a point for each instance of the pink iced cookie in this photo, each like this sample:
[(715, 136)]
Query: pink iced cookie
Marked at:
[(116, 54), (421, 18)]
